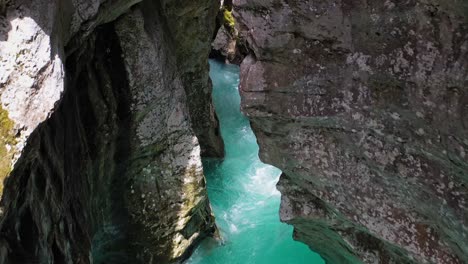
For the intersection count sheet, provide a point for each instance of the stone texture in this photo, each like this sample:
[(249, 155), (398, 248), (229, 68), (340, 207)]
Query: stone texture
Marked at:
[(363, 105), (224, 45), (107, 165), (167, 196), (32, 39), (191, 27)]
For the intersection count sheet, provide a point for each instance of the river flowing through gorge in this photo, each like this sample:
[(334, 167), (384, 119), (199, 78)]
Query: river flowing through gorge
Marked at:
[(242, 191)]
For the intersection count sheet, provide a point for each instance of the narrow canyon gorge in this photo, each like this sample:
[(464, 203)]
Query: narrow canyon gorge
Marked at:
[(106, 114)]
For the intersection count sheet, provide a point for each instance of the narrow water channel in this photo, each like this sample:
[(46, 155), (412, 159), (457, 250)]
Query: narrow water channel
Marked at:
[(242, 192)]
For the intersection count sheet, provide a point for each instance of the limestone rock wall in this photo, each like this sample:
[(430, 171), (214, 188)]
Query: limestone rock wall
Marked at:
[(191, 25), (98, 130), (363, 105)]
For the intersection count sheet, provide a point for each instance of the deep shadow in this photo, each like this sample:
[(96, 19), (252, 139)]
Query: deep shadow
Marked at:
[(74, 165)]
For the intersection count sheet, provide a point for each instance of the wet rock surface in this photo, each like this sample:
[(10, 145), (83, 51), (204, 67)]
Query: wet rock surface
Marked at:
[(363, 105), (109, 112)]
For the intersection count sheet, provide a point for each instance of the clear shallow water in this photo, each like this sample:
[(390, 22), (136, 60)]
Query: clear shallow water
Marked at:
[(242, 192)]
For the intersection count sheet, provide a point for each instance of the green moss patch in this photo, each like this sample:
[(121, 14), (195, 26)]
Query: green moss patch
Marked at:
[(7, 143), (228, 18), (229, 21)]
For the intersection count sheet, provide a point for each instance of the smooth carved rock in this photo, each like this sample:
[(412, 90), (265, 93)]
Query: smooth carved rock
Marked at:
[(99, 96), (364, 106), (191, 25)]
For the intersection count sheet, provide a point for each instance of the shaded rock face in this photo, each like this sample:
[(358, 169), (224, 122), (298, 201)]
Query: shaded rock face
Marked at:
[(363, 105), (108, 113), (191, 26), (224, 45)]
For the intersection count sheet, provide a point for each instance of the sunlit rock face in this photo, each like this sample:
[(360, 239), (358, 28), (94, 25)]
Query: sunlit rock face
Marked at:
[(364, 107), (102, 151)]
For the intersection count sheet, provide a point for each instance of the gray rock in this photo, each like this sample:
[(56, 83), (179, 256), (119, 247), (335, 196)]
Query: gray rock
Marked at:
[(363, 106), (224, 44), (191, 25), (100, 109)]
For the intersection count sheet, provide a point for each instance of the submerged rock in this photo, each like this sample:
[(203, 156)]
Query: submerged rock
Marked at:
[(107, 108), (364, 107)]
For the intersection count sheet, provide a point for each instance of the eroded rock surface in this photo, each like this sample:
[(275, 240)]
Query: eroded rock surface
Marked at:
[(103, 107), (364, 107)]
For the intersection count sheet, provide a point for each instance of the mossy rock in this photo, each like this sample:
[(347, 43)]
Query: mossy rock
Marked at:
[(228, 18), (7, 143)]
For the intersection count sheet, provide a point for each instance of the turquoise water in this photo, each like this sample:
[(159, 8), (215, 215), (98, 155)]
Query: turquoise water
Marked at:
[(242, 192)]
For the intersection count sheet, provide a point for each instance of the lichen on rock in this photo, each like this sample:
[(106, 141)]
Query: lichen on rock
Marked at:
[(228, 18), (227, 45), (7, 145)]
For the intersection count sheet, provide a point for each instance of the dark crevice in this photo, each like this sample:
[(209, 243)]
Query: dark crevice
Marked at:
[(108, 56), (59, 258), (28, 231)]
